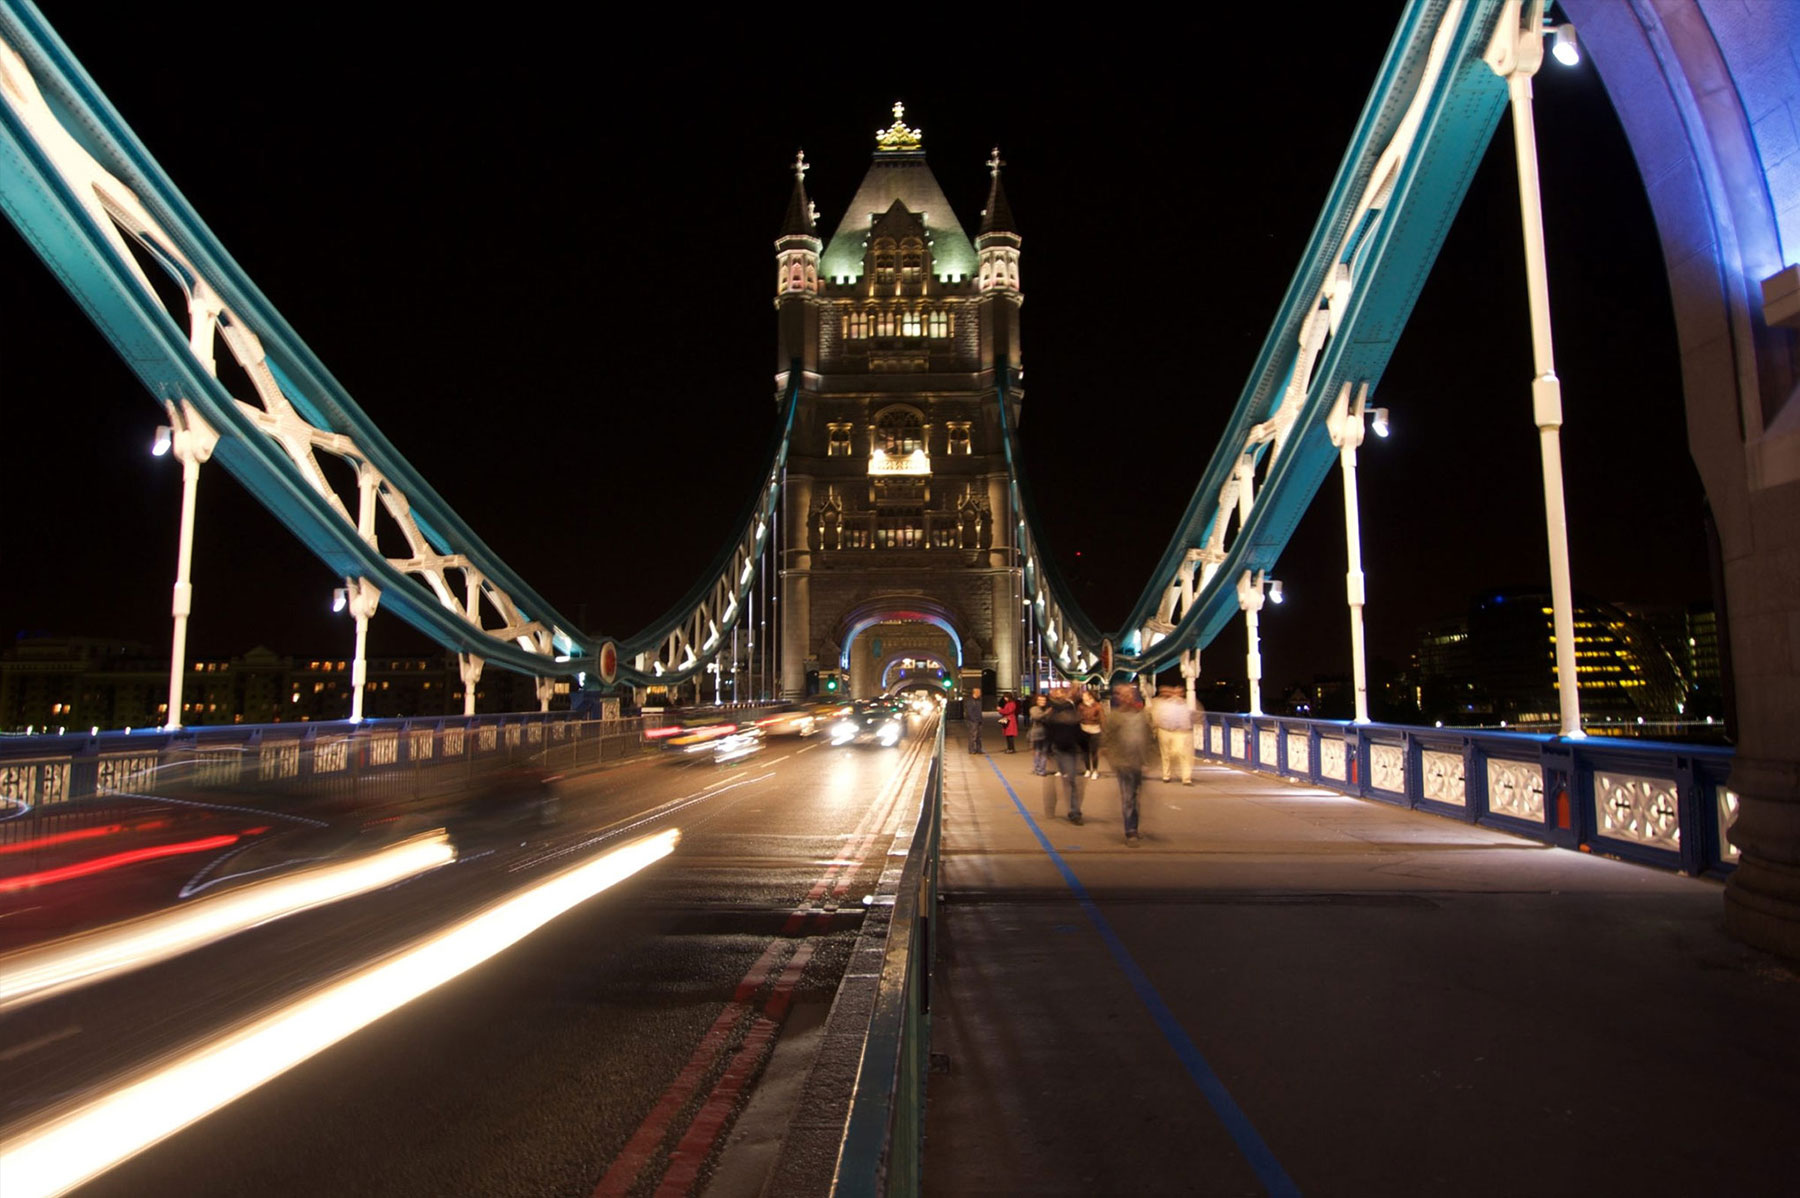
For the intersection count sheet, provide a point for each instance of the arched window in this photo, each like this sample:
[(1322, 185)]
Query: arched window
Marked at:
[(912, 259), (883, 257), (899, 431)]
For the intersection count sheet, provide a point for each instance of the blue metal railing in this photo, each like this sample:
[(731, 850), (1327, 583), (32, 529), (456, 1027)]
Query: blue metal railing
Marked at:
[(882, 1152), (1654, 803)]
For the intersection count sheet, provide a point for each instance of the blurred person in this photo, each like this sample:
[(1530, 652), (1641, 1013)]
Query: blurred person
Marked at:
[(1009, 718), (1174, 721), (1066, 741), (972, 714), (1127, 739), (1093, 721), (1036, 734)]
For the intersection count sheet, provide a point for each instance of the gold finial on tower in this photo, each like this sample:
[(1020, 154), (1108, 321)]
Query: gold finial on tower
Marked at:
[(897, 137)]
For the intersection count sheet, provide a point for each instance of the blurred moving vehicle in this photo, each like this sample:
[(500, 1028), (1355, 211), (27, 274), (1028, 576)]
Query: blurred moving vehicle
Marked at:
[(515, 802), (715, 734), (789, 719), (869, 722)]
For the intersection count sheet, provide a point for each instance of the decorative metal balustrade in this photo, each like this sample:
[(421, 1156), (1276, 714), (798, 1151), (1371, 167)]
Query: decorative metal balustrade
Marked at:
[(1658, 804)]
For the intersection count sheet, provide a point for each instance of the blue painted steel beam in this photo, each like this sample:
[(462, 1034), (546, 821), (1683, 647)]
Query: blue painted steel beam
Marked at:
[(1393, 252)]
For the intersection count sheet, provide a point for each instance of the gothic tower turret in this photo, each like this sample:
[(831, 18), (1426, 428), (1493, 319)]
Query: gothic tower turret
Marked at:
[(997, 249), (797, 252), (898, 563)]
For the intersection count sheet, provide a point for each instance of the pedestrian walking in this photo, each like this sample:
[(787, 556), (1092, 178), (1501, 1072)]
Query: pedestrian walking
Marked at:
[(1037, 736), (972, 714), (1062, 728), (1174, 721), (1127, 740), (1093, 719), (1009, 718)]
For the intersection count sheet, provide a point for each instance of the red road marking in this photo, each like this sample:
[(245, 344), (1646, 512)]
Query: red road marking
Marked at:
[(709, 1124), (642, 1146)]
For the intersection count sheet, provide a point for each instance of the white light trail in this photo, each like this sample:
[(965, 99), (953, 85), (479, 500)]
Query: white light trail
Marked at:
[(90, 957), (62, 1153)]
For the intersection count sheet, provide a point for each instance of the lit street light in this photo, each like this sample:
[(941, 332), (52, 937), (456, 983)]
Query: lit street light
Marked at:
[(1345, 424), (191, 440), (1515, 54)]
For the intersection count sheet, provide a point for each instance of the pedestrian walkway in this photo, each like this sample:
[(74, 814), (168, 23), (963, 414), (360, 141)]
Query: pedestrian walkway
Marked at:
[(1284, 990)]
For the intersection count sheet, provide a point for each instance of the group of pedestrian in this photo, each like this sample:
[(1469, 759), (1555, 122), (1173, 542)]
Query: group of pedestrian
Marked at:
[(1008, 711), (1070, 728)]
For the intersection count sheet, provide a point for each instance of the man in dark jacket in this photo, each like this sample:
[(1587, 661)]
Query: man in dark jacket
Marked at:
[(972, 714), (1066, 740), (1128, 745)]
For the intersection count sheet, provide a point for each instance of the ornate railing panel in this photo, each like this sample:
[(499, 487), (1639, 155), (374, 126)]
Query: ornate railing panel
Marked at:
[(1516, 789), (1331, 758), (1642, 810), (1387, 768), (1441, 778)]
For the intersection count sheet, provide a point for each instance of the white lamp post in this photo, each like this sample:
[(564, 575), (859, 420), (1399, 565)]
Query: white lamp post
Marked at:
[(191, 440), (362, 597), (1516, 52), (1250, 598), (1345, 424)]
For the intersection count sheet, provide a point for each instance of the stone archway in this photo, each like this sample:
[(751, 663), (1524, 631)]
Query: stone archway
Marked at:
[(899, 671), (1707, 93), (881, 630)]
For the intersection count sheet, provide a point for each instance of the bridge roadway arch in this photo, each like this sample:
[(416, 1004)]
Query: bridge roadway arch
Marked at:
[(897, 672), (877, 632), (1708, 94)]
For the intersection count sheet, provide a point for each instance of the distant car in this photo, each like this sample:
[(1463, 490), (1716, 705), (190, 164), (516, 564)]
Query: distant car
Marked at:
[(789, 719), (868, 723)]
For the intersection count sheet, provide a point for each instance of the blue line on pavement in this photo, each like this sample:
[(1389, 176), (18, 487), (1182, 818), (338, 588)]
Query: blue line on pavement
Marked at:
[(1237, 1124)]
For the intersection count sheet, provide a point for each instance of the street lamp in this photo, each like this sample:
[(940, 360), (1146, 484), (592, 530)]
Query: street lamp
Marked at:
[(362, 598), (1250, 598), (1563, 46), (1345, 424), (1515, 54), (191, 440)]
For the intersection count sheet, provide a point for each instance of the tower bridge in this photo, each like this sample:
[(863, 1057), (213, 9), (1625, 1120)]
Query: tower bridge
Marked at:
[(893, 523)]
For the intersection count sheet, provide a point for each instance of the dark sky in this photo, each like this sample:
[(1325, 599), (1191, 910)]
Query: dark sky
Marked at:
[(540, 257)]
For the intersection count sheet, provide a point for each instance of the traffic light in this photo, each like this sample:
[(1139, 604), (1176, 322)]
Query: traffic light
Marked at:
[(831, 684), (812, 682)]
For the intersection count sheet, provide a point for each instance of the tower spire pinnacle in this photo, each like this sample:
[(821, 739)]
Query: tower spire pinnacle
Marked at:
[(801, 217), (997, 217), (897, 138)]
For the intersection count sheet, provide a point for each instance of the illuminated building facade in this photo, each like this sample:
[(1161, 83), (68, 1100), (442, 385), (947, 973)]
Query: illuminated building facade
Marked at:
[(1499, 663), (898, 531)]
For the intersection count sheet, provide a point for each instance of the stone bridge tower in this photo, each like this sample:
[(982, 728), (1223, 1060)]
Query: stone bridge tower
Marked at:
[(898, 535)]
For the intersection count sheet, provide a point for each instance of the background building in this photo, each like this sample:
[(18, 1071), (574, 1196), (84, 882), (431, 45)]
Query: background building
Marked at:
[(93, 682), (1498, 662)]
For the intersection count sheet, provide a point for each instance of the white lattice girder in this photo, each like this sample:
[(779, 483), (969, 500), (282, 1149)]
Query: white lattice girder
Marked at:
[(122, 217)]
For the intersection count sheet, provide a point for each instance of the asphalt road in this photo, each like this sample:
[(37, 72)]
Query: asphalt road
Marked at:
[(612, 1051)]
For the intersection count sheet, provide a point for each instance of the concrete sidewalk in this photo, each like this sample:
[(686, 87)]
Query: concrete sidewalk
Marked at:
[(1284, 990)]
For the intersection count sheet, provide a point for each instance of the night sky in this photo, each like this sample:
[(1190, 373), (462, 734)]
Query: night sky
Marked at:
[(540, 257)]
